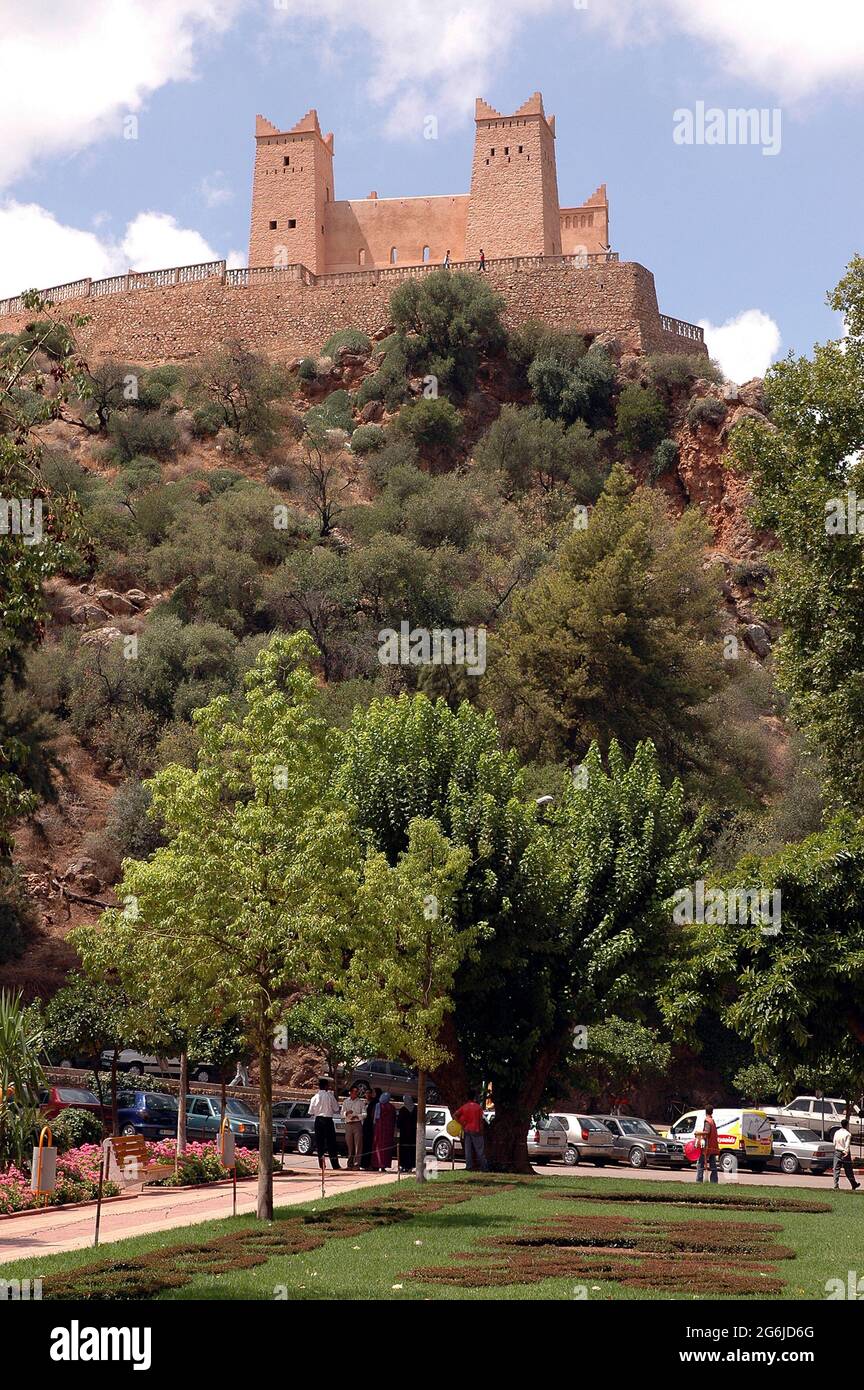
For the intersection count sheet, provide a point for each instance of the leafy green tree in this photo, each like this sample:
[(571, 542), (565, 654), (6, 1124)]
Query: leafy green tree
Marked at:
[(794, 995), (432, 423), (807, 472), (444, 321), (641, 419), (90, 1015), (572, 902), (568, 389), (619, 1055), (248, 900), (525, 450), (241, 389), (324, 1021), (407, 952)]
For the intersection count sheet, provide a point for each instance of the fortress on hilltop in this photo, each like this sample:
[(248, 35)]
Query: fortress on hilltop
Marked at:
[(511, 210), (318, 264)]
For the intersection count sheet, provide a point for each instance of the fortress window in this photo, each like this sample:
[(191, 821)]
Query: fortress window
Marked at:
[(492, 151), (286, 160), (273, 226), (361, 256), (520, 149), (292, 221), (393, 255), (506, 149)]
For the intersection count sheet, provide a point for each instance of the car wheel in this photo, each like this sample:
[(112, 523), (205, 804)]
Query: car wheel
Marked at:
[(790, 1164), (443, 1150), (129, 1129), (571, 1155), (636, 1157), (305, 1144), (66, 1064), (432, 1094), (362, 1088), (202, 1074), (728, 1162), (135, 1069)]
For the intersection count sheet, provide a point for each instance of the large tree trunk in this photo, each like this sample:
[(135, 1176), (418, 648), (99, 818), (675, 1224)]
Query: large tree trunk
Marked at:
[(265, 1125), (508, 1133), (114, 1091), (451, 1078), (420, 1157), (181, 1100)]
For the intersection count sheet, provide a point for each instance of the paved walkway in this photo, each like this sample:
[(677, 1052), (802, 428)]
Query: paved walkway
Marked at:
[(156, 1209), (160, 1209)]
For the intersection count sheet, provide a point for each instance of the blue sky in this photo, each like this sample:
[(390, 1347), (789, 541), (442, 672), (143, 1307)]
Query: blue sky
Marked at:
[(727, 230)]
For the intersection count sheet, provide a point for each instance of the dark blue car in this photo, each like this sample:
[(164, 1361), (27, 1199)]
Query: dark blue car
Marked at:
[(147, 1112)]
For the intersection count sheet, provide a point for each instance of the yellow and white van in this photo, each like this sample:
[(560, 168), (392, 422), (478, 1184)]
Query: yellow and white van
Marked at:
[(744, 1136)]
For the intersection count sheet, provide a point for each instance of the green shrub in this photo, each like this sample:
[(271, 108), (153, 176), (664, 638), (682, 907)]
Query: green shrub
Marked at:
[(334, 413), (351, 338), (665, 459), (641, 419), (568, 389), (706, 410), (668, 370), (134, 432), (368, 439), (431, 421), (308, 369), (445, 512), (398, 452), (447, 319), (390, 382), (156, 386), (72, 1128), (207, 420)]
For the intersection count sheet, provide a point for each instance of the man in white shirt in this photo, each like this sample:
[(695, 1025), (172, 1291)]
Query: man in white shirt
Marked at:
[(354, 1113), (324, 1107), (842, 1156)]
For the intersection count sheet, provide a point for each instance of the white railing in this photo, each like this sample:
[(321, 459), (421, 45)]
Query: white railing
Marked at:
[(682, 329)]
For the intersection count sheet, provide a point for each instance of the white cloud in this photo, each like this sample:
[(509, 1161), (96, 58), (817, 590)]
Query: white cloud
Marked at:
[(214, 190), (791, 47), (744, 346), (70, 73), (40, 252), (421, 61)]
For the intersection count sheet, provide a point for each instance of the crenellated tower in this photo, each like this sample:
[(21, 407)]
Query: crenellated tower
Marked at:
[(513, 205), (292, 187)]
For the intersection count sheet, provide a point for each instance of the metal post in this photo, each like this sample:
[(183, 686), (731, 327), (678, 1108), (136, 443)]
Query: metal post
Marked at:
[(105, 1147)]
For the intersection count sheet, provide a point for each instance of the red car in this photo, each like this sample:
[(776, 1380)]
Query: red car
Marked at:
[(55, 1099)]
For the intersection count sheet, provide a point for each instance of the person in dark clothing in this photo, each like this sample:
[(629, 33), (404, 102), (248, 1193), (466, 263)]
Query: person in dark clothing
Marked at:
[(369, 1128), (406, 1128), (482, 259)]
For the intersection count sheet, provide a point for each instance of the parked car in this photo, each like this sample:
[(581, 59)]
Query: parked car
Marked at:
[(807, 1112), (204, 1118), (298, 1126), (793, 1149), (438, 1142), (547, 1139), (54, 1099), (587, 1138), (394, 1077), (744, 1136), (144, 1064), (147, 1112), (638, 1143)]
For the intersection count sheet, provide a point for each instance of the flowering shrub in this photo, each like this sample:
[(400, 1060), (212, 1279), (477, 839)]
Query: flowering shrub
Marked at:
[(78, 1174)]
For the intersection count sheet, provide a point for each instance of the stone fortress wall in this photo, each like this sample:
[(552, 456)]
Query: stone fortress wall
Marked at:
[(318, 264)]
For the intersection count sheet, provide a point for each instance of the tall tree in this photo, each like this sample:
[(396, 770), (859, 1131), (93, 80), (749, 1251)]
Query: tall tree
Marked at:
[(249, 898)]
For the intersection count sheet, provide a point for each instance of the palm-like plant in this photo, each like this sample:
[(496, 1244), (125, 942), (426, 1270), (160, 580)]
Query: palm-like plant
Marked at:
[(21, 1077)]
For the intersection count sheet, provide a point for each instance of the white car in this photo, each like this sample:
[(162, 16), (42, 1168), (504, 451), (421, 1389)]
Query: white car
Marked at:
[(587, 1138), (806, 1112), (142, 1064)]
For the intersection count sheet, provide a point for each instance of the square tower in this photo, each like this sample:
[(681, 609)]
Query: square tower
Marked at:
[(292, 186), (513, 207)]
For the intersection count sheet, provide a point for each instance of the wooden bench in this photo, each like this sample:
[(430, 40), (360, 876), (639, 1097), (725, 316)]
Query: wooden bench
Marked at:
[(130, 1151)]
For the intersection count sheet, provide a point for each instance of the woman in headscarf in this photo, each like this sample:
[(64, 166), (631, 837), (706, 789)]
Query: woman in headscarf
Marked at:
[(406, 1126), (369, 1129), (385, 1129)]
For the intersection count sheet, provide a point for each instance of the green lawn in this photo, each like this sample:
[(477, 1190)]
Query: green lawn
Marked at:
[(375, 1263)]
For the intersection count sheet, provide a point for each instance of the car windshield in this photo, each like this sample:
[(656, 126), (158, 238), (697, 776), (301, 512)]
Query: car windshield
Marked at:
[(805, 1136), (239, 1107), (155, 1100), (637, 1127), (73, 1097)]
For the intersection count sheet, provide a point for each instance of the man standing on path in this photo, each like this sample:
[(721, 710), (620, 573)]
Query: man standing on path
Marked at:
[(353, 1113), (324, 1107), (843, 1157), (470, 1117), (709, 1146)]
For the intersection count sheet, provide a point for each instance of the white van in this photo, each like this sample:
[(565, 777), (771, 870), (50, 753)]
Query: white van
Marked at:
[(744, 1136)]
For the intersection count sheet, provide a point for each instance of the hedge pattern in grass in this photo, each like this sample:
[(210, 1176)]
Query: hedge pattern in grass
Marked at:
[(733, 1201), (697, 1256), (125, 1279)]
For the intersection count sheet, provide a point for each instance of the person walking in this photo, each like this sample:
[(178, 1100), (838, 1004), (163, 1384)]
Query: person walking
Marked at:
[(470, 1117), (324, 1107), (482, 259), (385, 1130), (406, 1128), (709, 1146), (354, 1113), (369, 1129), (446, 264), (843, 1157), (241, 1075)]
